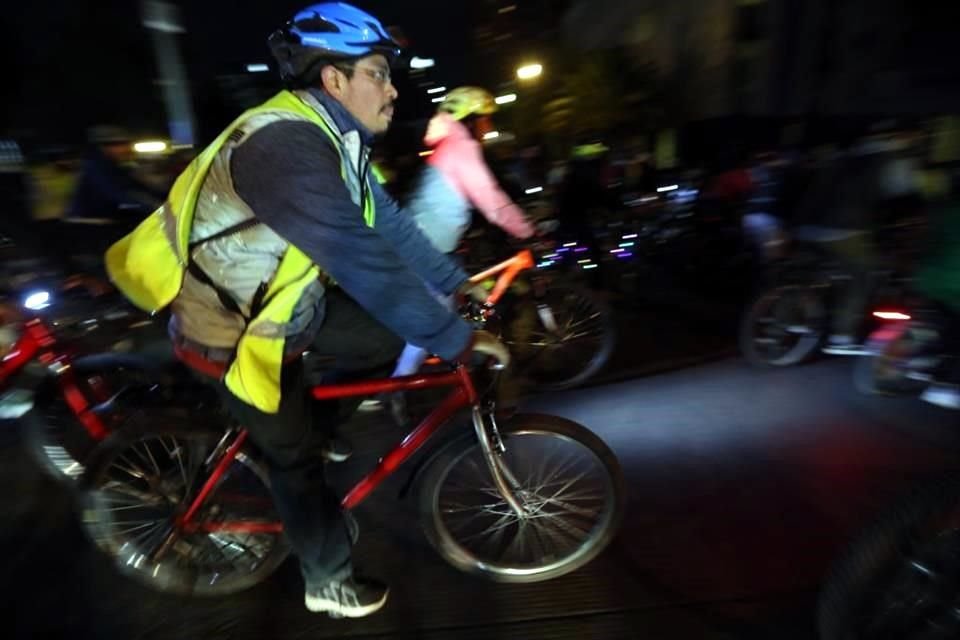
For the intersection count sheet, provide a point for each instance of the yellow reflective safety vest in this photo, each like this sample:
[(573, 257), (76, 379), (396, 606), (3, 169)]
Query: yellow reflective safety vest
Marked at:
[(149, 264)]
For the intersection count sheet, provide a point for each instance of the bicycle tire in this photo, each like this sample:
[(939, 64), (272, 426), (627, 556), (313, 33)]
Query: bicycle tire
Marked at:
[(597, 360), (864, 572), (521, 425), (806, 345), (51, 433), (94, 521)]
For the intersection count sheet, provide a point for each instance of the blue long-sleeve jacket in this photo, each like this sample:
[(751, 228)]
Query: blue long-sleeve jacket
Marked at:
[(289, 174)]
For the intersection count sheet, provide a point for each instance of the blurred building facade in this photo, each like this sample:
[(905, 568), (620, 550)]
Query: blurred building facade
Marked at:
[(783, 57), (508, 33)]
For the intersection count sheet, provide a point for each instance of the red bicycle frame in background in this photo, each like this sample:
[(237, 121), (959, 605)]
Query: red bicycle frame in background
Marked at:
[(36, 341), (463, 395)]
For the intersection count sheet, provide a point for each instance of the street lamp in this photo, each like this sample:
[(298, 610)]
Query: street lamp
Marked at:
[(529, 71), (421, 63), (150, 146), (162, 19)]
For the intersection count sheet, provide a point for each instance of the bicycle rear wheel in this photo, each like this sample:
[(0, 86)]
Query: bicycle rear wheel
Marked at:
[(569, 482), (782, 327), (54, 436), (561, 338), (137, 484)]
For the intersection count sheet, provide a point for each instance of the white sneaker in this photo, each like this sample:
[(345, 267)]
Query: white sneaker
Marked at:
[(943, 395), (350, 598), (842, 345)]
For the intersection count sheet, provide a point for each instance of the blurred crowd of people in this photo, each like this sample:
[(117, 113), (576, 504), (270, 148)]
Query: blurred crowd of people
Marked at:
[(105, 179), (60, 201), (830, 193)]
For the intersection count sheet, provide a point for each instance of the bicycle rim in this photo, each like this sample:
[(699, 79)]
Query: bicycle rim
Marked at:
[(55, 437), (571, 493), (783, 327), (561, 340), (141, 488)]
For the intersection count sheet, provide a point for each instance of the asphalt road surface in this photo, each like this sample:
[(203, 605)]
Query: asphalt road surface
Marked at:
[(743, 485)]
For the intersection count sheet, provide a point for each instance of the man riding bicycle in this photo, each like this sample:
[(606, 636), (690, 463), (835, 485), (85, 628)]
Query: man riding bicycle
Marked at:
[(275, 241)]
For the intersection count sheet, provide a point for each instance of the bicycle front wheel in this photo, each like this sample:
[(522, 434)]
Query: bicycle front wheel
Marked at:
[(568, 481)]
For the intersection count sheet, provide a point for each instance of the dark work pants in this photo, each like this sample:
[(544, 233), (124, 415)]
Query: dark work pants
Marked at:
[(351, 345)]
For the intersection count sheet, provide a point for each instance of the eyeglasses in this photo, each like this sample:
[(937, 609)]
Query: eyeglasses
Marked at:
[(380, 76)]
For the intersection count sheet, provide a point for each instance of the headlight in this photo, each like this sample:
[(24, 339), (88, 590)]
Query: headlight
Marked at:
[(37, 300)]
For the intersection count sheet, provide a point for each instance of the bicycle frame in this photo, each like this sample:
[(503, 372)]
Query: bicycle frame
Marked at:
[(463, 395), (509, 270), (37, 341)]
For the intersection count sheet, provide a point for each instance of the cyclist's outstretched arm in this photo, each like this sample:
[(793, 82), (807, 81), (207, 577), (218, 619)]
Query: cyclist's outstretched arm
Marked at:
[(479, 185)]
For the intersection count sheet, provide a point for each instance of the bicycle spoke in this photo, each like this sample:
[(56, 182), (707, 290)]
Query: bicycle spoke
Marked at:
[(131, 469), (129, 506), (543, 542), (502, 522), (486, 508), (583, 494), (568, 464), (152, 459), (144, 458), (139, 491), (519, 542), (539, 473), (573, 531), (150, 523), (581, 337), (178, 456), (170, 451), (128, 491), (569, 509), (569, 483), (595, 317), (146, 534)]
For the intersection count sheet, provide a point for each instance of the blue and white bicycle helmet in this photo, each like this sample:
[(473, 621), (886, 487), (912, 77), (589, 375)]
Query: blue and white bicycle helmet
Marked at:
[(327, 32)]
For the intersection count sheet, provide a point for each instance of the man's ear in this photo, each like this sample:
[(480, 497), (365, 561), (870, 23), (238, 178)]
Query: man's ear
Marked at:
[(333, 81)]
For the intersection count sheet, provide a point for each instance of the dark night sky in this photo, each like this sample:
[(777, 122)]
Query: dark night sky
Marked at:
[(78, 63)]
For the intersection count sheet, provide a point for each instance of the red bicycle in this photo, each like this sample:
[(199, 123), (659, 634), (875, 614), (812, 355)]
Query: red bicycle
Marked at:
[(189, 510), (61, 373)]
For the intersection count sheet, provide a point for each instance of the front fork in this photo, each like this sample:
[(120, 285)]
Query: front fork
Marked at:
[(493, 448)]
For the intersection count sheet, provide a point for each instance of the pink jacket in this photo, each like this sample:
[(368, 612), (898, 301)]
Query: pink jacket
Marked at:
[(458, 157)]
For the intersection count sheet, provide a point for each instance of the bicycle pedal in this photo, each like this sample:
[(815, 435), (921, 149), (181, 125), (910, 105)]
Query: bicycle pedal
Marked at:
[(335, 615)]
